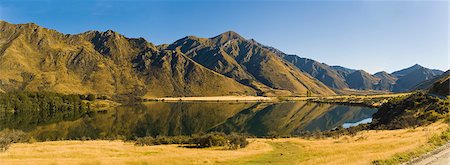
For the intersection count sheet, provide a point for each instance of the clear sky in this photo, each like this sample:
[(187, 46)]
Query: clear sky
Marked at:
[(369, 35)]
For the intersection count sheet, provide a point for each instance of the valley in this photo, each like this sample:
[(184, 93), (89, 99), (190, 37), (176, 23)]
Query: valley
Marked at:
[(100, 97)]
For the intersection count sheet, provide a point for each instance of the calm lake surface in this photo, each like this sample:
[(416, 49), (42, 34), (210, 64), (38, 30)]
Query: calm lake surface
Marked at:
[(185, 118)]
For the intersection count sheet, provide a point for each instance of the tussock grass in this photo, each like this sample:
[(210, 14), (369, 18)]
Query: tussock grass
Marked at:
[(363, 148)]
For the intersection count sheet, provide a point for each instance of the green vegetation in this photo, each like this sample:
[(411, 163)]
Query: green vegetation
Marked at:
[(26, 110), (231, 141), (411, 111)]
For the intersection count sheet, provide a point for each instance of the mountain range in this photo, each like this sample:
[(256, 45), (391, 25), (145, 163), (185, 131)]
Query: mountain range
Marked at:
[(107, 63), (342, 78)]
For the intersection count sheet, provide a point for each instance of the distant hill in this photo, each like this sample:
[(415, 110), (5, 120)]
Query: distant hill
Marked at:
[(437, 85), (413, 68), (426, 85), (387, 81), (361, 80), (343, 79), (410, 77), (320, 71)]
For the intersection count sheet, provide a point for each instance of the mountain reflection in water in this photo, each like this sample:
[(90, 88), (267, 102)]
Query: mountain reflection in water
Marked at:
[(186, 118)]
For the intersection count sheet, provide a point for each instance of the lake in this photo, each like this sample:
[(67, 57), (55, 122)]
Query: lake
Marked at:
[(186, 118)]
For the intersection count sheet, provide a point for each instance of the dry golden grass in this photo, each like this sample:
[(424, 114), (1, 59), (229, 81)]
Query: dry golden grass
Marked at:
[(360, 149), (117, 152), (363, 148)]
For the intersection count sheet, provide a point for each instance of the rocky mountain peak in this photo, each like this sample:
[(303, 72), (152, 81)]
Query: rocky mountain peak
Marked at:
[(226, 36)]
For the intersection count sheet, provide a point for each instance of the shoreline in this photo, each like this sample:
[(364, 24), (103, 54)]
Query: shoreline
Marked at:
[(319, 99), (213, 99)]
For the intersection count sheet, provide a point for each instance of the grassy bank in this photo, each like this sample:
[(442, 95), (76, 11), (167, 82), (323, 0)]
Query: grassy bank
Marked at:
[(363, 148)]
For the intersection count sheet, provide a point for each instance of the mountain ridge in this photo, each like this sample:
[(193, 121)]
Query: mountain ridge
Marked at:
[(37, 58), (108, 63), (105, 63)]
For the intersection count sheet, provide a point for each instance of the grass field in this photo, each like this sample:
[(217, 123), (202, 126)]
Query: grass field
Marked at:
[(363, 148)]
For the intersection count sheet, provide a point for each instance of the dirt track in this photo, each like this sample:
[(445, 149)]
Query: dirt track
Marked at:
[(441, 156)]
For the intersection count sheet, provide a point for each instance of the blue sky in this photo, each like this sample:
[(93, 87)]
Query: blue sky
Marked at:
[(368, 35)]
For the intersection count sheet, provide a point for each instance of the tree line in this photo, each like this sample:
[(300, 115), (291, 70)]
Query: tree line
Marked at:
[(26, 110)]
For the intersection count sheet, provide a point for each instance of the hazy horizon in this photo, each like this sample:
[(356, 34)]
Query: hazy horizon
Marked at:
[(372, 36)]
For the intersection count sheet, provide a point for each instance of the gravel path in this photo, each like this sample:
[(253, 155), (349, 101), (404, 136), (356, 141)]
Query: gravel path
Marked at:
[(441, 156)]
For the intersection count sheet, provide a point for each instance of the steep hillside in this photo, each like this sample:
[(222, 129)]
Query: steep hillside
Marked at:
[(412, 76), (106, 63), (427, 84), (413, 68), (361, 80), (320, 71), (441, 87), (343, 70), (249, 63), (387, 81)]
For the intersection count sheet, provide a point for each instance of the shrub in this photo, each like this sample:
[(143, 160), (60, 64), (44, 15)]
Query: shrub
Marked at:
[(232, 141), (90, 97), (237, 141), (145, 141), (7, 137), (209, 140)]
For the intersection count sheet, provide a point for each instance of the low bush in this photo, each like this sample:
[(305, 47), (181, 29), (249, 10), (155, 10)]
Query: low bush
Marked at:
[(231, 141), (7, 137)]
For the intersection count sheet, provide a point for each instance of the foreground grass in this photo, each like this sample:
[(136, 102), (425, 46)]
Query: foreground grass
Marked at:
[(364, 148)]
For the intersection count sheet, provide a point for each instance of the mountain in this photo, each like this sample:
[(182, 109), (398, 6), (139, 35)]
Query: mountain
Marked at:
[(105, 63), (410, 77), (413, 68), (387, 81), (441, 86), (437, 85), (108, 63), (249, 63), (406, 70), (361, 80), (342, 78), (343, 70), (320, 71), (398, 81)]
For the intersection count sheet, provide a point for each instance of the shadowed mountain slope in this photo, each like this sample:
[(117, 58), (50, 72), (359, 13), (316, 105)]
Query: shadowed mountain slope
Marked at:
[(387, 81), (318, 70), (248, 62), (361, 80), (441, 86), (410, 77), (437, 85), (345, 80)]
